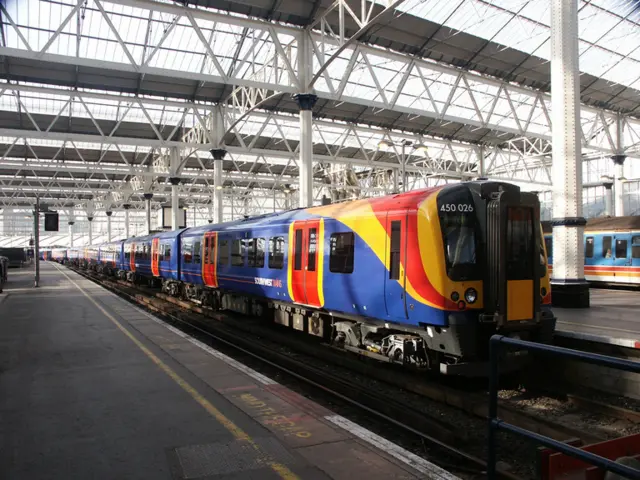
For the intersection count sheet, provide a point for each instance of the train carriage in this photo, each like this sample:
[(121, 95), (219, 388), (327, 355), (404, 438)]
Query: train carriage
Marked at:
[(137, 258), (611, 250), (110, 257), (424, 277), (59, 255)]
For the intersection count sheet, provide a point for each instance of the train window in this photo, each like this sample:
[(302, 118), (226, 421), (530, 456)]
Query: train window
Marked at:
[(206, 253), (458, 233), (212, 250), (167, 252), (249, 245), (548, 242), (311, 257), (255, 252), (297, 257), (237, 253), (394, 253), (223, 259), (276, 252), (197, 252), (186, 252), (520, 243), (341, 248), (606, 247), (588, 248), (621, 249), (127, 255)]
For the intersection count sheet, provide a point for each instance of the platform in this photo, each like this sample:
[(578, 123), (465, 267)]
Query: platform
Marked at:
[(94, 387), (613, 318)]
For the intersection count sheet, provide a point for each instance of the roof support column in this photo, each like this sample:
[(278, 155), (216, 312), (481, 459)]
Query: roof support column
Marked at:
[(607, 183), (109, 213), (72, 220), (569, 287), (90, 212), (175, 181), (618, 161), (147, 197), (126, 207), (306, 101), (218, 155)]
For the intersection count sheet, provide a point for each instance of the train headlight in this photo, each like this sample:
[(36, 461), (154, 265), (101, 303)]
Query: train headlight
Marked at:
[(471, 295), (455, 296)]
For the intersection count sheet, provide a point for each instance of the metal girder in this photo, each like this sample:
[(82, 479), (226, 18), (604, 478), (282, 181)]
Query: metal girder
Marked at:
[(373, 76)]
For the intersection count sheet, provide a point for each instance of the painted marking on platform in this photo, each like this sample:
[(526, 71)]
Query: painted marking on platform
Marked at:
[(396, 451), (236, 431)]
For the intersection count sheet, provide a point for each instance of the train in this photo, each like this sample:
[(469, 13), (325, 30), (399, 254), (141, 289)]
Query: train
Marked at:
[(611, 250), (421, 278)]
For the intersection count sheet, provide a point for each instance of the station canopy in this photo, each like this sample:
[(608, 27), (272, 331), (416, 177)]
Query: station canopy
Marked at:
[(95, 94)]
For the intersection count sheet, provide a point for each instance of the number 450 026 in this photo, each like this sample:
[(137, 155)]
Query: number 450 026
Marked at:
[(456, 207)]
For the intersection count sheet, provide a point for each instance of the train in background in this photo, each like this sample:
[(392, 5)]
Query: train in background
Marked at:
[(611, 250), (422, 278)]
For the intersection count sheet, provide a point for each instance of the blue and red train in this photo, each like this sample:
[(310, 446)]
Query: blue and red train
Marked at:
[(421, 278)]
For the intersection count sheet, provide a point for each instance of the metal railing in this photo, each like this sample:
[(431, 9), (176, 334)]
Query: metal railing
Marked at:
[(498, 342)]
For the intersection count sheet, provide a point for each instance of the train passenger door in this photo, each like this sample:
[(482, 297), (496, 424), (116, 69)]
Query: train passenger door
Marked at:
[(621, 257), (306, 255), (395, 279), (210, 259), (132, 258), (155, 257)]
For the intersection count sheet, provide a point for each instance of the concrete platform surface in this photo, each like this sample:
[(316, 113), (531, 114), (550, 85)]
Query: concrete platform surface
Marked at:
[(614, 318), (94, 387)]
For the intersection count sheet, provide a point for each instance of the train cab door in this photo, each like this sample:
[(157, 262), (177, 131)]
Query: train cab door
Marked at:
[(395, 285), (306, 246), (513, 250), (155, 257), (210, 259)]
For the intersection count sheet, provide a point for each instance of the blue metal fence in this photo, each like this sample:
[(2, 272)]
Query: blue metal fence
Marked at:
[(497, 343)]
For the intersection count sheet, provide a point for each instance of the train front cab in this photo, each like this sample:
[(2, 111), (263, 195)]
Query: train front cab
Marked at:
[(511, 262)]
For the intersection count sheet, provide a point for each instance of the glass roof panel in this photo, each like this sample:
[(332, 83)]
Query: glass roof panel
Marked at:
[(611, 26)]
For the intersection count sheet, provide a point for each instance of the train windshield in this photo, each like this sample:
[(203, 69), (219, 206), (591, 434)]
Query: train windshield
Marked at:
[(520, 261), (458, 230)]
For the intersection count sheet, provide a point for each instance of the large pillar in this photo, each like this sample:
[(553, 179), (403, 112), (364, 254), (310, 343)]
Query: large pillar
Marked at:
[(569, 287), (147, 198), (618, 161), (175, 203), (174, 179), (306, 101), (126, 207), (36, 250), (218, 155), (90, 220), (71, 222), (109, 213), (607, 183)]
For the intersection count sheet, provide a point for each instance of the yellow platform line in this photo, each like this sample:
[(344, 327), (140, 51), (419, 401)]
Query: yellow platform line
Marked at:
[(282, 470)]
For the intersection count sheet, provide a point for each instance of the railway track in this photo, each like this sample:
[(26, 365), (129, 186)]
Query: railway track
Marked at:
[(436, 435)]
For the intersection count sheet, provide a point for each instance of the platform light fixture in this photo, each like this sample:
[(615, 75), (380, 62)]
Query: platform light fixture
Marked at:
[(385, 145), (219, 187)]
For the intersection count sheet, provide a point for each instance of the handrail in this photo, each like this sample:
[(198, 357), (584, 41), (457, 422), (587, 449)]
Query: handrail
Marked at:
[(496, 343)]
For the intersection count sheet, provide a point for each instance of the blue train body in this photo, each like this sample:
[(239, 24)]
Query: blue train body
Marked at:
[(611, 250)]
